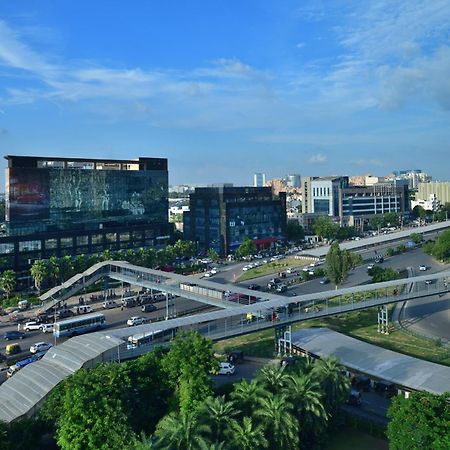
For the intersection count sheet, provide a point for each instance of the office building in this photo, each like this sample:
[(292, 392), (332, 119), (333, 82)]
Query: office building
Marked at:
[(70, 206), (335, 197), (414, 177), (441, 189), (220, 218), (293, 181), (259, 180)]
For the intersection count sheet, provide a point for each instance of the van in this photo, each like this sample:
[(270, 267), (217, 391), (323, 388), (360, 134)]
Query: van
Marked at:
[(129, 302), (12, 370), (23, 304), (12, 349), (84, 309), (159, 297), (108, 304)]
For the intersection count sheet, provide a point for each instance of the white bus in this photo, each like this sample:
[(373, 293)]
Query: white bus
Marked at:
[(142, 339), (79, 325)]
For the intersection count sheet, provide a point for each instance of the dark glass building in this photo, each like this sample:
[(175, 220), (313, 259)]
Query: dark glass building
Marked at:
[(70, 206), (220, 218)]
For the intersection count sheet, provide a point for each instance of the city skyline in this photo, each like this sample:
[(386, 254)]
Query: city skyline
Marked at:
[(224, 91)]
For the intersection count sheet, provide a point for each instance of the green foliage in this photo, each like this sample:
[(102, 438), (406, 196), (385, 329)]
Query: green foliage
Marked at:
[(187, 366), (248, 435), (8, 282), (295, 231), (390, 252), (417, 238), (248, 247), (376, 222), (324, 227), (181, 431), (419, 422), (346, 233), (440, 249), (440, 215), (401, 249), (353, 259), (419, 212), (39, 272), (213, 255), (391, 219), (337, 264), (380, 274)]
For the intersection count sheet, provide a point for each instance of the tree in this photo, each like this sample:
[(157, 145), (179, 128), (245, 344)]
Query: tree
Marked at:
[(248, 436), (187, 366), (295, 231), (185, 249), (213, 255), (8, 282), (39, 272), (380, 274), (181, 431), (419, 212), (441, 248), (440, 215), (273, 379), (353, 259), (376, 222), (218, 414), (337, 264), (334, 383), (92, 411), (324, 227), (54, 268), (306, 396), (281, 427), (247, 247), (246, 395), (419, 422), (391, 219), (417, 238), (66, 268)]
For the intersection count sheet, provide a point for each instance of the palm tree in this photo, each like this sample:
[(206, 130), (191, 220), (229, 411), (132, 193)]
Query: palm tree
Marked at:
[(335, 384), (8, 282), (247, 395), (218, 414), (181, 431), (248, 436), (273, 378), (281, 426), (39, 272), (306, 396)]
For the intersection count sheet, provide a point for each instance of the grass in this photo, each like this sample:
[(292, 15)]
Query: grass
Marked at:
[(361, 325), (272, 268)]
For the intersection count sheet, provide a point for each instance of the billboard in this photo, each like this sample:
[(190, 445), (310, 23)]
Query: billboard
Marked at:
[(27, 194)]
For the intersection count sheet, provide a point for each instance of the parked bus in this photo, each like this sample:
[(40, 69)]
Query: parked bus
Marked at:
[(79, 325)]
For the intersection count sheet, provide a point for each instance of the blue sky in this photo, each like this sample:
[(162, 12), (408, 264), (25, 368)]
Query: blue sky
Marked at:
[(225, 89)]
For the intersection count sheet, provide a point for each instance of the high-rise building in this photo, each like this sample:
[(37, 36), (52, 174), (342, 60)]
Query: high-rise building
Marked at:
[(440, 188), (334, 196), (259, 180), (293, 181), (414, 177), (70, 206), (220, 218)]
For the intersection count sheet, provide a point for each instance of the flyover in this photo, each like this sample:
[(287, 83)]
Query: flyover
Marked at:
[(374, 241), (23, 393)]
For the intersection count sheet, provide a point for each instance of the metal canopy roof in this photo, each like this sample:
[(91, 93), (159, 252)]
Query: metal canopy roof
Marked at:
[(378, 362)]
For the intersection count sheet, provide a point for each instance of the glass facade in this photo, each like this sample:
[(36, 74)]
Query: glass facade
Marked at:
[(220, 218)]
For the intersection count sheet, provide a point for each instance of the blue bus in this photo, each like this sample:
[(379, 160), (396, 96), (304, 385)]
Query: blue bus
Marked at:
[(79, 325)]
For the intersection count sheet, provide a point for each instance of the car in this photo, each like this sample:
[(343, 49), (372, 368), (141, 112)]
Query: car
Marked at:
[(355, 398), (324, 280), (108, 304), (311, 272), (370, 266), (207, 274), (254, 287), (40, 347), (226, 368), (379, 259), (245, 268), (12, 335), (281, 288), (34, 325), (422, 268), (136, 320), (290, 271), (12, 349), (148, 308), (214, 271), (47, 327), (64, 313)]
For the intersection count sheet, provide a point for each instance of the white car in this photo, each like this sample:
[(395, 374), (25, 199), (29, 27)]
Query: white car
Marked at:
[(47, 327), (133, 321), (422, 268), (245, 268), (207, 274), (40, 347), (29, 326), (370, 266), (214, 271), (226, 368)]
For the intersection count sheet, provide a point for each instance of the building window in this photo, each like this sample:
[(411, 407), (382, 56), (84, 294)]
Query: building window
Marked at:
[(50, 243), (66, 242)]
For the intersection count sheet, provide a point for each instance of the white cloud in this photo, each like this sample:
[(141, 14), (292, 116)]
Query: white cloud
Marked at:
[(319, 158)]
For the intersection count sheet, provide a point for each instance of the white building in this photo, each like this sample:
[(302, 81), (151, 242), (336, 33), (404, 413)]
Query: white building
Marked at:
[(259, 180), (432, 204)]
